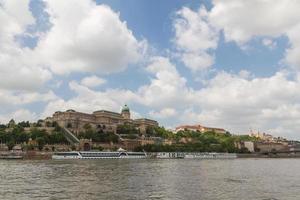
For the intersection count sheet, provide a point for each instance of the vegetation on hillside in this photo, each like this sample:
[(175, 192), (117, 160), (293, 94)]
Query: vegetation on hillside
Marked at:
[(15, 134), (193, 141), (188, 141)]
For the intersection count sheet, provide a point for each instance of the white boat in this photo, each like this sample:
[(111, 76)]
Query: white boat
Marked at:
[(98, 155), (169, 155), (206, 155), (11, 157)]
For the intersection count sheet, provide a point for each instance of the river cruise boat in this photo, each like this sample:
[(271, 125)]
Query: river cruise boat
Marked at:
[(98, 155)]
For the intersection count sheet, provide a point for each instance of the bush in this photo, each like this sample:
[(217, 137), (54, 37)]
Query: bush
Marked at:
[(10, 145)]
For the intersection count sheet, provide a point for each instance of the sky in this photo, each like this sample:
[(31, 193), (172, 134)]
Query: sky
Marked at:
[(222, 63)]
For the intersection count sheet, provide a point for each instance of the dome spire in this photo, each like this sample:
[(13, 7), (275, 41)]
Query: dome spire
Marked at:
[(125, 112)]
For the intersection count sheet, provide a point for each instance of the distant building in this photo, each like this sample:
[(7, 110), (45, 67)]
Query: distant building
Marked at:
[(144, 123), (263, 147), (268, 137), (3, 147), (262, 136), (250, 146), (199, 128), (270, 147), (245, 145), (106, 121)]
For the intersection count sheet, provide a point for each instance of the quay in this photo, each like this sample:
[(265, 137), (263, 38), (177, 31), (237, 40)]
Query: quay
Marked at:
[(40, 155), (192, 155), (138, 155), (10, 156)]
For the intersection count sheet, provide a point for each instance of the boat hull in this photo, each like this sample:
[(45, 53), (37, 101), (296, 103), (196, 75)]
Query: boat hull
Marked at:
[(98, 155)]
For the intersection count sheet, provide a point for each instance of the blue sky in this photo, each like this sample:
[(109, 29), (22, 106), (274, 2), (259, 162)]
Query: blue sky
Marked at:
[(227, 64)]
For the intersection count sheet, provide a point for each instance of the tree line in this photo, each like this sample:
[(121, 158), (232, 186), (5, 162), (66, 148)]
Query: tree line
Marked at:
[(17, 135)]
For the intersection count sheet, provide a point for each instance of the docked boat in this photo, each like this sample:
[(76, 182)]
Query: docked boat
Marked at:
[(98, 155), (11, 157), (170, 155), (206, 155)]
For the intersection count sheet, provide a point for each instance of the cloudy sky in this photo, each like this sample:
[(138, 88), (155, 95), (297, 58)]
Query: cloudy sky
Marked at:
[(223, 63)]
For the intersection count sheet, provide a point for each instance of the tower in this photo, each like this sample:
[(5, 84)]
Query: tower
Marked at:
[(125, 112)]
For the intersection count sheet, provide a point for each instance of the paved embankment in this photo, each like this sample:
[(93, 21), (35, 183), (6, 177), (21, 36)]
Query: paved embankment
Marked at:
[(269, 155)]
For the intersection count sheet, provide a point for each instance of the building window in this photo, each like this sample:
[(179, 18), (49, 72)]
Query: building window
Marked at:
[(69, 125)]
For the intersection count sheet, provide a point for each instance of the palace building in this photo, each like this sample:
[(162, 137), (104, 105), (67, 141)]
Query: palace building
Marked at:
[(107, 121)]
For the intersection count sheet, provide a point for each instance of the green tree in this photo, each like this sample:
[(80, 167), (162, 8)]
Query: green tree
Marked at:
[(10, 145), (87, 126), (127, 129), (39, 123), (41, 142), (11, 123), (24, 124), (3, 126)]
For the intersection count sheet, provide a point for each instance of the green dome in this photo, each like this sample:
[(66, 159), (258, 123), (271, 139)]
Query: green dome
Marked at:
[(125, 108)]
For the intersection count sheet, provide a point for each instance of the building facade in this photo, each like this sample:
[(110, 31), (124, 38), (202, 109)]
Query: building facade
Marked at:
[(267, 137), (270, 146), (104, 120), (199, 128)]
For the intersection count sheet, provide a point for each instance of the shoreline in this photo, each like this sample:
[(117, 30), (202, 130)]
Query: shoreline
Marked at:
[(268, 155), (42, 155)]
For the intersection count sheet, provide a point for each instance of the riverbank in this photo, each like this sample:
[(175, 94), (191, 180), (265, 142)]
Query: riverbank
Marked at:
[(42, 155), (269, 155), (27, 155)]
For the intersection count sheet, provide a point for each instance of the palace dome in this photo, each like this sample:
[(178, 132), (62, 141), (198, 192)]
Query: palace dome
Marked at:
[(125, 108)]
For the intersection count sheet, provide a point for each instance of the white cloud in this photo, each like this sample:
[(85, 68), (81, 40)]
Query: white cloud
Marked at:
[(92, 81), (14, 17), (13, 98), (167, 88), (18, 65), (292, 53), (19, 115), (194, 36), (197, 32), (245, 74), (16, 75), (86, 37), (243, 20), (21, 78), (269, 43), (234, 102), (164, 113), (161, 91), (88, 100), (240, 104), (92, 38), (135, 115), (193, 32), (196, 61)]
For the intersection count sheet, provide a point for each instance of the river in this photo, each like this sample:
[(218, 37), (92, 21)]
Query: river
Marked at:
[(240, 179)]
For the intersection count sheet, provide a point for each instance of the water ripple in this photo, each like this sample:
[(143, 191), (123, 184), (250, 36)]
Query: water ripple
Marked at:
[(240, 179)]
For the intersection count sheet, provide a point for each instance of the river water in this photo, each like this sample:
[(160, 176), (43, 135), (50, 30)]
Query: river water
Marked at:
[(263, 179)]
